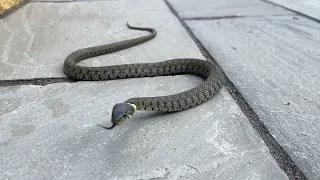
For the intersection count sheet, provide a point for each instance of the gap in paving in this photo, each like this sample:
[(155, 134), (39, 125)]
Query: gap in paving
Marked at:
[(203, 18), (278, 153), (213, 17), (294, 11), (36, 81)]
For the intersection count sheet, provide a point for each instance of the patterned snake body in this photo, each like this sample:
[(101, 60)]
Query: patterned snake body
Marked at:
[(171, 103)]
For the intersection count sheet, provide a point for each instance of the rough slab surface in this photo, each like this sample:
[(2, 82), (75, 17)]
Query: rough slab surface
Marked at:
[(308, 7), (51, 132), (219, 8), (36, 39), (274, 62)]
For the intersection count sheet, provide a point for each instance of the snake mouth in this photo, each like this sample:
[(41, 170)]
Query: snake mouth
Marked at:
[(121, 112)]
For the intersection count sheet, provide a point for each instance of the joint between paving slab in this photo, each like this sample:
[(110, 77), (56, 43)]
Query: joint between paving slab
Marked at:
[(36, 81), (213, 17), (278, 153), (203, 18), (276, 150), (294, 11)]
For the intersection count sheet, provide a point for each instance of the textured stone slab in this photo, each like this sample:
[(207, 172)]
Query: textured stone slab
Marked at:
[(218, 8), (274, 62), (36, 39), (51, 132), (308, 7)]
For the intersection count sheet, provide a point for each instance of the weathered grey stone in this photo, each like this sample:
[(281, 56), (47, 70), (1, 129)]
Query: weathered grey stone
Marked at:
[(308, 7), (274, 62), (37, 38), (51, 132), (218, 8)]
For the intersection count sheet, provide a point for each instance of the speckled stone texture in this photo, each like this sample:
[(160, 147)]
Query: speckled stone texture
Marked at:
[(52, 132), (308, 7), (37, 38), (274, 62), (221, 8)]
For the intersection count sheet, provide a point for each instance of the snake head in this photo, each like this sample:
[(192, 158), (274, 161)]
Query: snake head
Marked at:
[(122, 112)]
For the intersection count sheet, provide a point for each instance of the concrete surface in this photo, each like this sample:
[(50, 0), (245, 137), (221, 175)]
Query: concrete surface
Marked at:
[(307, 7), (220, 8), (37, 38), (274, 62), (51, 132)]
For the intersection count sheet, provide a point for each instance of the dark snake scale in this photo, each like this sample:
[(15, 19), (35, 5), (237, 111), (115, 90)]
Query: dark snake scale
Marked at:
[(171, 103)]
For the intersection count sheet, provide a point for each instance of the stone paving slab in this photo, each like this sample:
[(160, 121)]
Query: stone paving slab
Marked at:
[(37, 38), (51, 132), (219, 8), (274, 62), (307, 7)]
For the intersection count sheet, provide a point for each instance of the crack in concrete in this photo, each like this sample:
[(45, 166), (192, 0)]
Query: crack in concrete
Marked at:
[(27, 29), (7, 49), (7, 46)]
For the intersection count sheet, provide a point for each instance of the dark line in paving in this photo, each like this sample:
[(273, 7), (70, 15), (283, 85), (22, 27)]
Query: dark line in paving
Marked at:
[(213, 17), (294, 11), (204, 18), (278, 153), (37, 81)]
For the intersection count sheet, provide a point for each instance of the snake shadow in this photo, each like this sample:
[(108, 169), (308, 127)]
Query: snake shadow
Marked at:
[(147, 115)]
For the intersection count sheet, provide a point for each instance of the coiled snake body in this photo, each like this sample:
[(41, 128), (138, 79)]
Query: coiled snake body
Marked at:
[(171, 103)]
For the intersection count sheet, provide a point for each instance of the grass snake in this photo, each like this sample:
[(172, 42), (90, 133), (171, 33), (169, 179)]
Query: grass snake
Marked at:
[(171, 103)]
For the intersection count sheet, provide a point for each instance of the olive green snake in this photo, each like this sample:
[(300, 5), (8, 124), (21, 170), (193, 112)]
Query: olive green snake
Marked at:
[(171, 103)]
